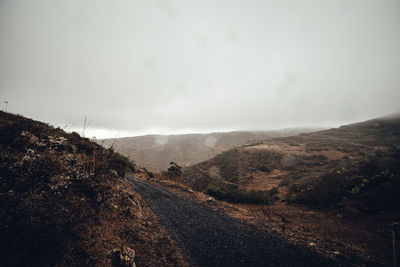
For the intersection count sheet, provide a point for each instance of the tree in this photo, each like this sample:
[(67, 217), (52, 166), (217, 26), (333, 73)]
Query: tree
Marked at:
[(174, 171)]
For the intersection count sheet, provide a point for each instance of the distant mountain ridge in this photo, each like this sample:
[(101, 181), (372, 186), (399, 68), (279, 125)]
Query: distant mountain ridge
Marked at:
[(155, 152)]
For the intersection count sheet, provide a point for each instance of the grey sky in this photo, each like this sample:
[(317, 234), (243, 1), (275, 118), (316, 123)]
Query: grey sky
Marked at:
[(137, 67)]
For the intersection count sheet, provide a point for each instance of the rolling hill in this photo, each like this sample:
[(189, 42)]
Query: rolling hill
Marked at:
[(155, 152), (358, 162)]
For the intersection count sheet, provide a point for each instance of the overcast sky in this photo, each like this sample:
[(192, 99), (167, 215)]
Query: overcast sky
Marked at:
[(139, 67)]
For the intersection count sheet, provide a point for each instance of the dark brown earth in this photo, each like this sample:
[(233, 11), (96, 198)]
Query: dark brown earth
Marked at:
[(63, 202)]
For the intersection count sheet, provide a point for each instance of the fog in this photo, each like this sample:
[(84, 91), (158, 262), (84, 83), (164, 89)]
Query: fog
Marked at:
[(141, 67)]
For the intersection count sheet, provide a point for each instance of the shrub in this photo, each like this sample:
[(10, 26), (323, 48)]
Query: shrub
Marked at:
[(149, 173), (264, 169), (287, 181), (121, 163), (322, 190), (174, 171), (375, 183)]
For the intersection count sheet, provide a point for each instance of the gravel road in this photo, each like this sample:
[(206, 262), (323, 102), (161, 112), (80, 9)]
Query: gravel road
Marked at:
[(209, 238)]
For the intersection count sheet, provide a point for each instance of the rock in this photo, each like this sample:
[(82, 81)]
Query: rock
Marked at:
[(70, 158), (59, 182), (32, 138), (210, 199), (57, 140), (99, 197), (123, 257), (59, 143)]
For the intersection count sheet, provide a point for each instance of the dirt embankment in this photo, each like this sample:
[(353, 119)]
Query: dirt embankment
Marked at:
[(63, 202)]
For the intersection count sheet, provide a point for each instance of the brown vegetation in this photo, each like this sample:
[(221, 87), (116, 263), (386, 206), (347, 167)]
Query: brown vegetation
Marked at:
[(63, 203), (318, 169)]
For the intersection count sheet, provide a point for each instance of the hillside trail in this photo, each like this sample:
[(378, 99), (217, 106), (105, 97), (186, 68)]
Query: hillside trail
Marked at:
[(209, 238)]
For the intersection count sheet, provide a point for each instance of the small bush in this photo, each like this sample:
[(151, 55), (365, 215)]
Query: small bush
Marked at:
[(287, 181), (264, 169), (174, 171), (322, 190), (149, 173), (121, 163), (375, 183)]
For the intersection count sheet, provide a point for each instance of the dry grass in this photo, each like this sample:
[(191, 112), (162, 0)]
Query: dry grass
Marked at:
[(63, 202)]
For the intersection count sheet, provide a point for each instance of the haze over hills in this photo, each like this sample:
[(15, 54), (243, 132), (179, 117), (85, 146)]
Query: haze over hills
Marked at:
[(155, 152), (156, 133), (318, 168), (340, 186)]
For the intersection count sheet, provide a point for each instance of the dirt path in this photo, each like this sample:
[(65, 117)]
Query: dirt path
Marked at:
[(210, 238)]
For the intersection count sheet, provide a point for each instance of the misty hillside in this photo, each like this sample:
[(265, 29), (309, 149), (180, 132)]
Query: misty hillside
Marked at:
[(63, 202), (155, 152), (360, 162)]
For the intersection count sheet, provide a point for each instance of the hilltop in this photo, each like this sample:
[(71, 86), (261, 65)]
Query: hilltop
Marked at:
[(63, 202), (155, 152)]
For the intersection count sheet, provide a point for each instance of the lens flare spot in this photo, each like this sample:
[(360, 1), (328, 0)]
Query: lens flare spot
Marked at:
[(159, 142), (210, 141), (214, 172)]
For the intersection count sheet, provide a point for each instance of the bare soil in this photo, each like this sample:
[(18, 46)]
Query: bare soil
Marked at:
[(265, 181)]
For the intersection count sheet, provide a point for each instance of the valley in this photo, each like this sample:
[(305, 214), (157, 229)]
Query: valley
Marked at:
[(324, 198), (155, 152), (336, 189), (199, 133)]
